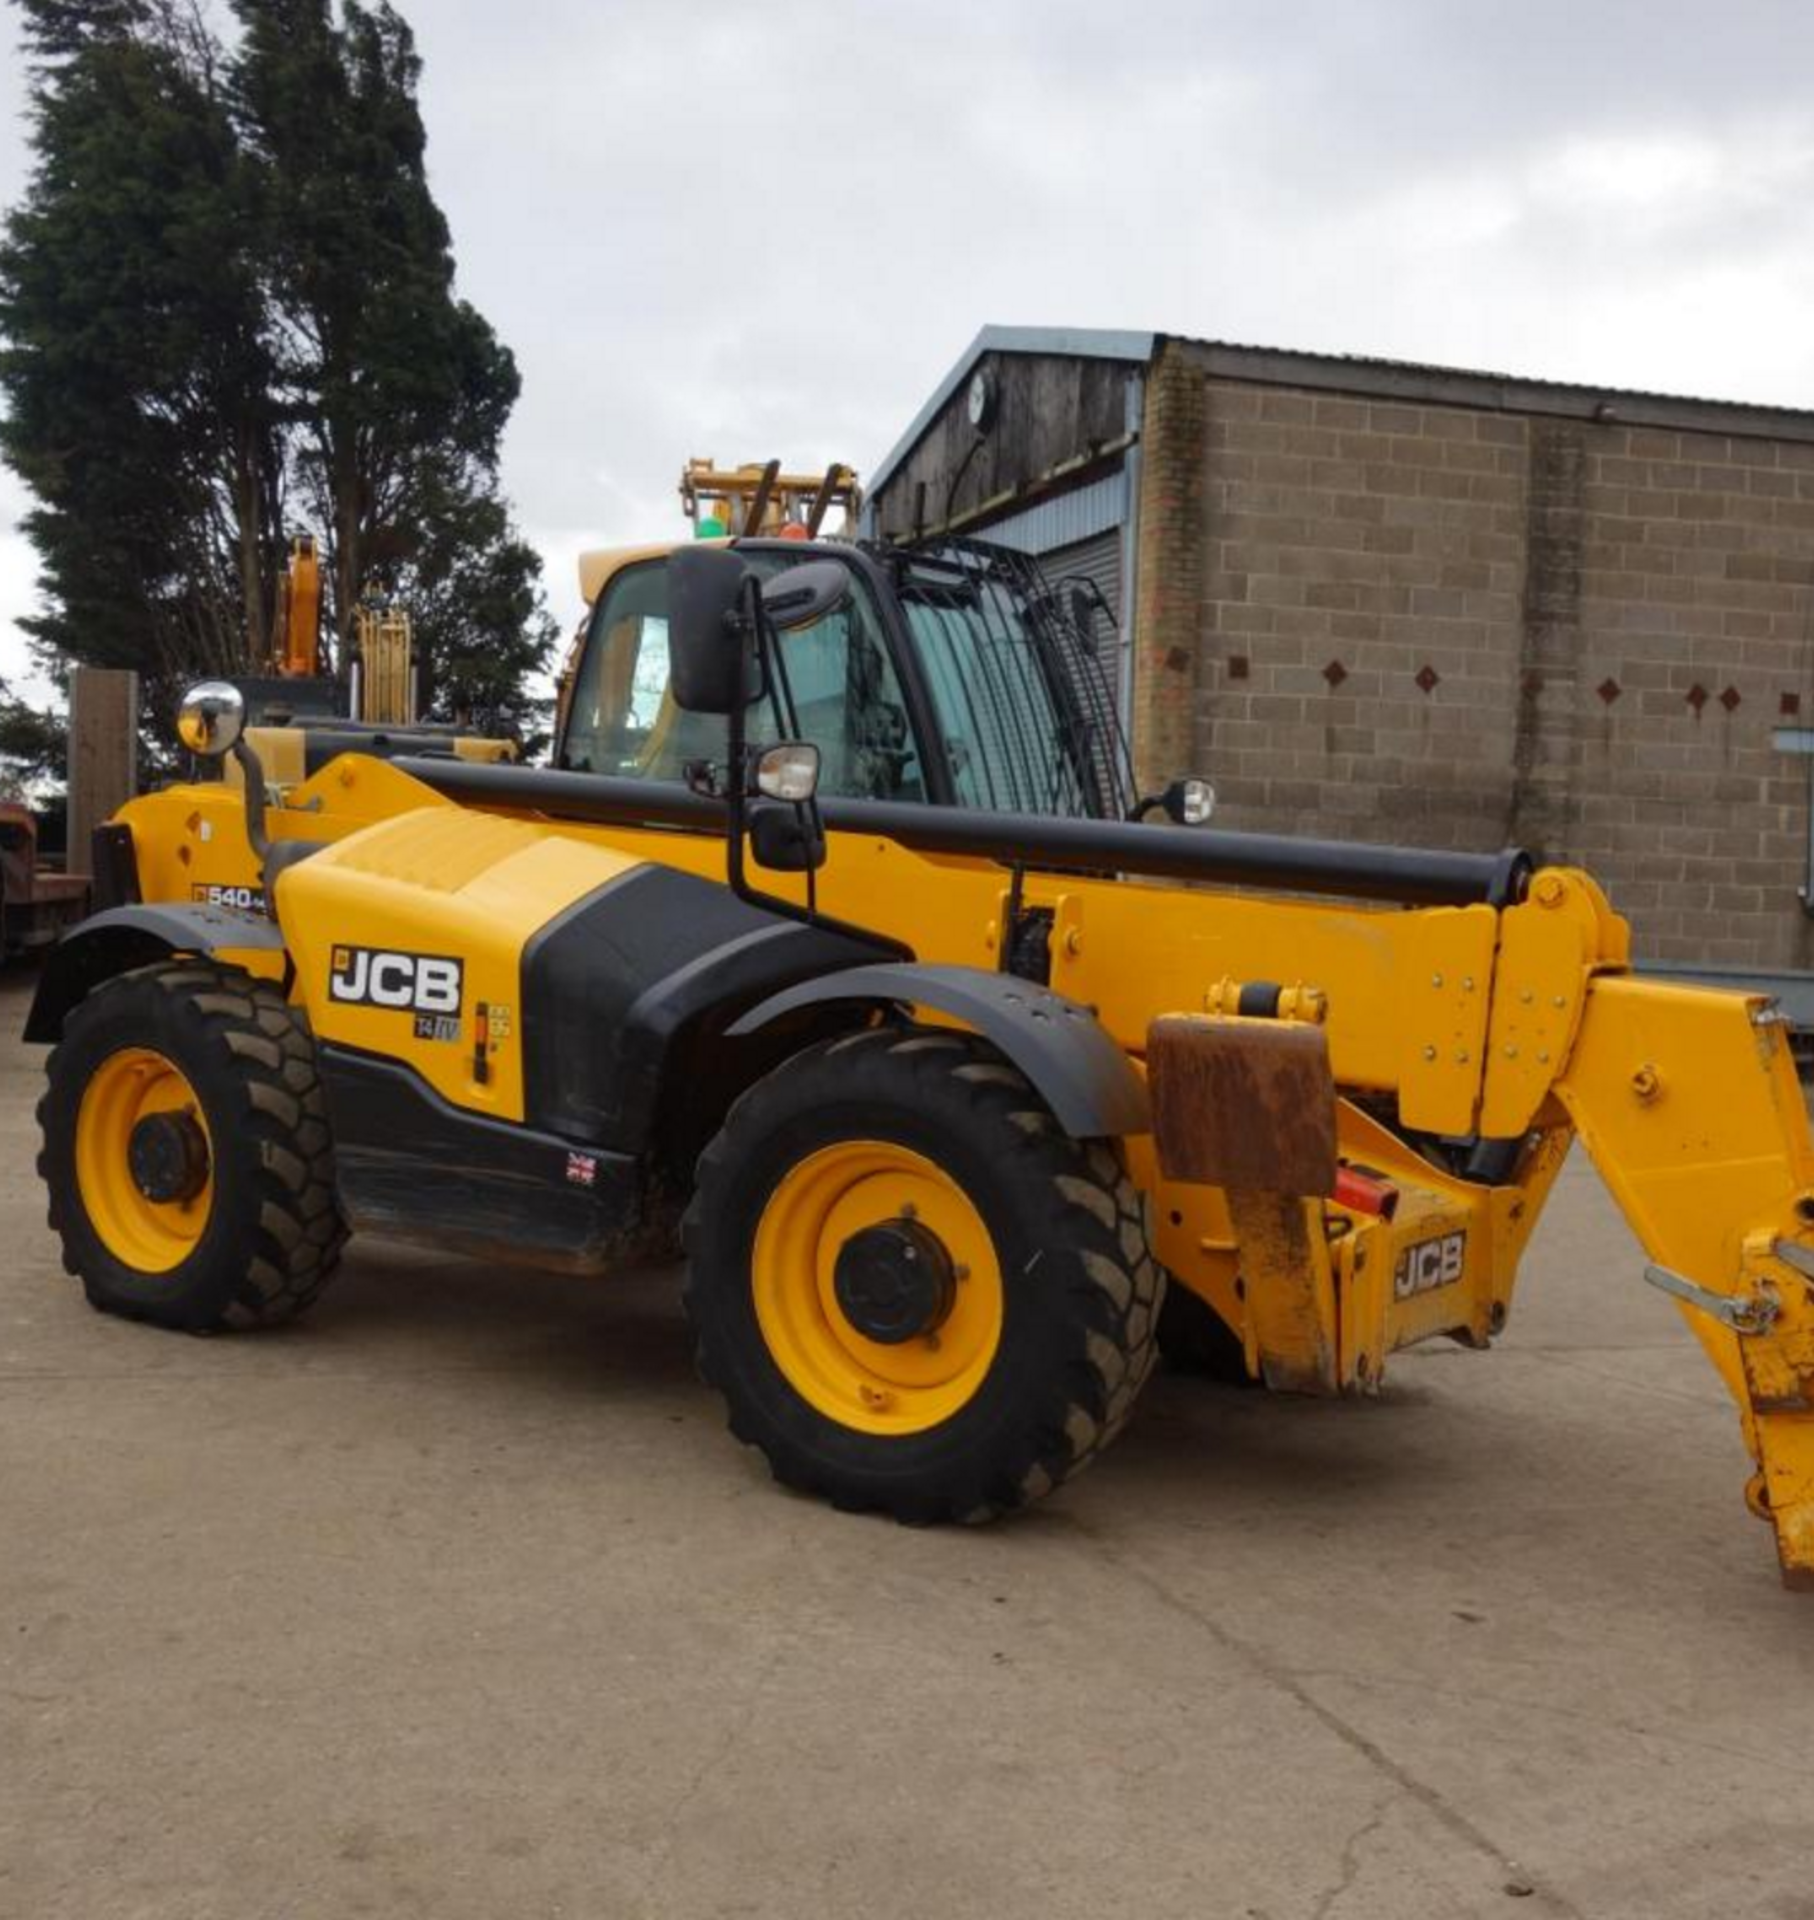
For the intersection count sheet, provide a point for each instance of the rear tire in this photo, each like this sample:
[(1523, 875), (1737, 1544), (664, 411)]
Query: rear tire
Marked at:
[(186, 1150), (923, 1148)]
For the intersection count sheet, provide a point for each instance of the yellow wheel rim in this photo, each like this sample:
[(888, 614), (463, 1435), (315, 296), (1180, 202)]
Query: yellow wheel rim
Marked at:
[(150, 1235), (871, 1385)]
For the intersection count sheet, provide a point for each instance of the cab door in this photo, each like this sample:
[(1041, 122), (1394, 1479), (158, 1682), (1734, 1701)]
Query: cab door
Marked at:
[(621, 718)]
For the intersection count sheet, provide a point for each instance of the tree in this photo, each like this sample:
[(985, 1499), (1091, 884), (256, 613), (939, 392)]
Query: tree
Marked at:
[(34, 746), (473, 587), (227, 302), (402, 389), (136, 367)]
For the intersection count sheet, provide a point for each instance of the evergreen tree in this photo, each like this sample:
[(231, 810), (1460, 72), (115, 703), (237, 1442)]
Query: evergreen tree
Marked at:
[(402, 389), (34, 747), (134, 366), (228, 300)]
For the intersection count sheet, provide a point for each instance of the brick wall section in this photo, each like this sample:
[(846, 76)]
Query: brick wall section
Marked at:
[(1347, 545), (1697, 561), (1170, 584)]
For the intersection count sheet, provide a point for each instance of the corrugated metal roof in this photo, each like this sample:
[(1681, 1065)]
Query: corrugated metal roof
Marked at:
[(1370, 374)]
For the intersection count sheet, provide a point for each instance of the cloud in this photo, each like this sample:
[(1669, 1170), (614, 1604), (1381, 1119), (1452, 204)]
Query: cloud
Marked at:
[(770, 232)]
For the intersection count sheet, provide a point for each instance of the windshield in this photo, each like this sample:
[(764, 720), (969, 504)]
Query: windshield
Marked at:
[(1020, 699), (847, 700)]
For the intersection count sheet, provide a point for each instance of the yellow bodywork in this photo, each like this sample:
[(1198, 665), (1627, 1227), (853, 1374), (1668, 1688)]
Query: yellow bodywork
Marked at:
[(1516, 1023)]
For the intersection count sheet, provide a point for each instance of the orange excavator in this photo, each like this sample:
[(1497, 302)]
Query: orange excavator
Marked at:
[(296, 637), (383, 685)]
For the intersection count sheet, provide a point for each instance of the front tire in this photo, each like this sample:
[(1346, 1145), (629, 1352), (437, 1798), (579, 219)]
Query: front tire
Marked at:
[(915, 1292), (186, 1150)]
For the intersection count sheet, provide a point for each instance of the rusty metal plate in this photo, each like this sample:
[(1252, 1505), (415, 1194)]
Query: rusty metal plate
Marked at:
[(1242, 1103)]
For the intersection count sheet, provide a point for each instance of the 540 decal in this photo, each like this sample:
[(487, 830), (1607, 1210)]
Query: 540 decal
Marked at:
[(246, 899)]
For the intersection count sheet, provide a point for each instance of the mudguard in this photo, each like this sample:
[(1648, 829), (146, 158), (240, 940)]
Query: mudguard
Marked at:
[(133, 936), (1078, 1069)]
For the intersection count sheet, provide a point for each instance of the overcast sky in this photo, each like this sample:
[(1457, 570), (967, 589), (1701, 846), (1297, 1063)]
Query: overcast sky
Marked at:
[(761, 231)]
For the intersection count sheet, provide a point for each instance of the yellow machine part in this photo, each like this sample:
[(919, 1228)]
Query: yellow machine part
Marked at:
[(440, 881), (387, 690), (150, 1235), (950, 909), (864, 1384), (1519, 1024)]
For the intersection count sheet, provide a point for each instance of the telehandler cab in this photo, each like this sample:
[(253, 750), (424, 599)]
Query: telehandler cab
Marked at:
[(941, 1098)]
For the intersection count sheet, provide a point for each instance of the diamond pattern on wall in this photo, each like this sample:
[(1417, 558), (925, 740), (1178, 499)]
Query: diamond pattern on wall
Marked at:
[(1609, 690), (1729, 699), (1697, 696), (1789, 705), (1428, 677), (1335, 673)]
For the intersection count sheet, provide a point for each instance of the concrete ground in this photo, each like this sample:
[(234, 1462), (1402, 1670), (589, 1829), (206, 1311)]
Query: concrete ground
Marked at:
[(457, 1600)]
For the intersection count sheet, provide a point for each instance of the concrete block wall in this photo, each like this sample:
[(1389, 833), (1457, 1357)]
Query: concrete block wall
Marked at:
[(1458, 626)]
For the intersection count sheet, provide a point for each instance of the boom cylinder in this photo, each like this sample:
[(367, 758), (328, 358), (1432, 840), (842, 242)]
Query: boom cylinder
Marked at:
[(1414, 876)]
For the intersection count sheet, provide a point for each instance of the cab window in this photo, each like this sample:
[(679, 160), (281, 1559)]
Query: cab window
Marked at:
[(846, 698)]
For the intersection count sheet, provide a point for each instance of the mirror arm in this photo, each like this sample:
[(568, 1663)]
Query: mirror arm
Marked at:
[(252, 768), (737, 750)]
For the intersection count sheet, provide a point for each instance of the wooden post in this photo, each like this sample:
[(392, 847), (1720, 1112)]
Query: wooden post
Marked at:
[(103, 751)]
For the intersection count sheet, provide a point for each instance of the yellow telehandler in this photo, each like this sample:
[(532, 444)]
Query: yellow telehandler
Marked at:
[(827, 949)]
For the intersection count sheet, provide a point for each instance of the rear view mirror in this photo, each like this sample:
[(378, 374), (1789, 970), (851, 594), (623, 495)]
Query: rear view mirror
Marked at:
[(712, 646), (784, 839), (803, 594), (211, 718)]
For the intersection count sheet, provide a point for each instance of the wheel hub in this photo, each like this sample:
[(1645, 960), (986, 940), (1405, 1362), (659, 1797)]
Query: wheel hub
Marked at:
[(894, 1282), (167, 1156)]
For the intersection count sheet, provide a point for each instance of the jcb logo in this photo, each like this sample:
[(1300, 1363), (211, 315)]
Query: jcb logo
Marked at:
[(411, 982), (1430, 1264)]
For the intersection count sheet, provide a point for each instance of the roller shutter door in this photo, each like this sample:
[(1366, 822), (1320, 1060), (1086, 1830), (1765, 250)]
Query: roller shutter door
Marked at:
[(1098, 560)]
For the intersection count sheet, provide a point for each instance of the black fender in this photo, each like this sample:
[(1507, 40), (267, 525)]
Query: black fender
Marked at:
[(626, 997), (1079, 1070), (134, 936)]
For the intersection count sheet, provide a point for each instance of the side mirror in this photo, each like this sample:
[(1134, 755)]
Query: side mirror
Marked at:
[(786, 839), (211, 718), (800, 595), (711, 646)]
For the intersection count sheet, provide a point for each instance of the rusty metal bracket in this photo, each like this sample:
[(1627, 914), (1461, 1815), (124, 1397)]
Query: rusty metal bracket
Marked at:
[(1743, 1313)]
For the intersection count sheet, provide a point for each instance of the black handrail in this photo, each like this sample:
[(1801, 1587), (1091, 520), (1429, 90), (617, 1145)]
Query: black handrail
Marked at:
[(1414, 876)]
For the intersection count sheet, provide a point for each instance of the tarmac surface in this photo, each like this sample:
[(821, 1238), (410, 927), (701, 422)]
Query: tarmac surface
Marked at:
[(457, 1600)]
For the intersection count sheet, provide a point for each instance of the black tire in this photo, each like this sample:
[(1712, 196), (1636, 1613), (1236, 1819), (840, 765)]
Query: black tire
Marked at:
[(1080, 1291), (1195, 1339), (273, 1230)]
